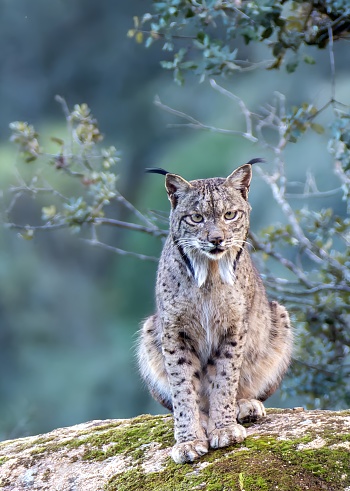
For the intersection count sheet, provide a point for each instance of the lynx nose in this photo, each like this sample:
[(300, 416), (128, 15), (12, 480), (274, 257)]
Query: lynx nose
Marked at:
[(216, 240)]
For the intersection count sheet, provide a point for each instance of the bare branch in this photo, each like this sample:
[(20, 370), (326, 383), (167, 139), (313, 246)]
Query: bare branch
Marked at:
[(134, 210), (158, 103), (116, 250), (317, 368), (319, 194), (195, 124), (289, 213), (33, 191), (317, 254), (62, 101), (246, 113), (332, 62), (47, 226), (155, 231), (281, 287), (285, 262)]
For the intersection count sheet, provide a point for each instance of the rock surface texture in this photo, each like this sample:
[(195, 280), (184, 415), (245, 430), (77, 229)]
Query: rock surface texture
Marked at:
[(289, 450)]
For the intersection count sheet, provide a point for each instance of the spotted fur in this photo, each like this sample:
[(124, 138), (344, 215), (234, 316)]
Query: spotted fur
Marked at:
[(216, 347)]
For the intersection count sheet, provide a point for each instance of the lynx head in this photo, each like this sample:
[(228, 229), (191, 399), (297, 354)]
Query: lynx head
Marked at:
[(209, 220)]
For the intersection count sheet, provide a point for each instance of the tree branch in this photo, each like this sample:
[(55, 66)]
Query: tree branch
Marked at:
[(134, 210), (246, 113), (267, 249), (197, 125), (155, 231), (116, 250)]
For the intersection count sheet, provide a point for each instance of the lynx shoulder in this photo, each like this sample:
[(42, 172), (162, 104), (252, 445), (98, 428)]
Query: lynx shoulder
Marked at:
[(216, 348)]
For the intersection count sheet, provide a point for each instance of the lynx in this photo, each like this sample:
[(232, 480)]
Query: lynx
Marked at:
[(216, 348)]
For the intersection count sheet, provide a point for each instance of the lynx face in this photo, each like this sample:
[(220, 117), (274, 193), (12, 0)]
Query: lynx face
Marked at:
[(210, 220)]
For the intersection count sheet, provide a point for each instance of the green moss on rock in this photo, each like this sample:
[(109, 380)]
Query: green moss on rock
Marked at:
[(286, 451), (259, 463), (130, 441), (105, 441)]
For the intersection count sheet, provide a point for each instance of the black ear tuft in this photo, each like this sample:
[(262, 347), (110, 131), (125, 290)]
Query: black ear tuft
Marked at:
[(157, 170), (256, 161)]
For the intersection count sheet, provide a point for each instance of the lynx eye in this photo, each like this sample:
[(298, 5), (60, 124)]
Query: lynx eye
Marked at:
[(230, 215), (196, 218)]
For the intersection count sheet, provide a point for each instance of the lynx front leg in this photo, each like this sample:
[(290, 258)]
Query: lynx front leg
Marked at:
[(183, 369), (250, 410), (223, 375)]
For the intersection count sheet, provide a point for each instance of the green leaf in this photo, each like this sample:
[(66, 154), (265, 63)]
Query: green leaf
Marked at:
[(139, 37), (57, 140), (149, 41), (309, 60), (267, 33), (292, 65), (146, 18), (189, 14), (30, 159), (48, 212), (168, 46), (200, 36), (178, 77), (27, 234), (168, 65), (318, 128)]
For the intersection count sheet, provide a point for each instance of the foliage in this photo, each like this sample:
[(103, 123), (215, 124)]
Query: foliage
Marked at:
[(312, 243), (214, 26), (79, 158)]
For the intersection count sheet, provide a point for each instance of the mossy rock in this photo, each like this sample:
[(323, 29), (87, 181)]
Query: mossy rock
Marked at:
[(288, 450)]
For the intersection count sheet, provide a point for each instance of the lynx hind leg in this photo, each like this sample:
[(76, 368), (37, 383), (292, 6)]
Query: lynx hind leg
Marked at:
[(281, 346), (151, 363), (262, 370), (280, 321), (250, 410)]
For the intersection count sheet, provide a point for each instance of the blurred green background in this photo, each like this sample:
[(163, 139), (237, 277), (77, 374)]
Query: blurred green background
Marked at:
[(69, 313)]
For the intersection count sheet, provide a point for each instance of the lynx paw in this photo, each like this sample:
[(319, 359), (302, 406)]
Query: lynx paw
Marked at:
[(189, 451), (249, 410), (223, 437)]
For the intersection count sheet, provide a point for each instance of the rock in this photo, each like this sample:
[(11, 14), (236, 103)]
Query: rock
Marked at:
[(288, 450)]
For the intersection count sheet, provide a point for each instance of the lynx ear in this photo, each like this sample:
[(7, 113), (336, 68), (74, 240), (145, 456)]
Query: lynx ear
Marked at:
[(240, 179), (175, 186)]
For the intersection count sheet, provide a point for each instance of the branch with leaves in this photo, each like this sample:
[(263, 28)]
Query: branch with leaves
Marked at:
[(80, 160), (210, 44)]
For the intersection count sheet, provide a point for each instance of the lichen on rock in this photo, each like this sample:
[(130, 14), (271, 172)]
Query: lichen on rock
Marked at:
[(288, 450)]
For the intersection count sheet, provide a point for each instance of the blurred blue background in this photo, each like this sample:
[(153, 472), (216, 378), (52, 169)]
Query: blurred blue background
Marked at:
[(69, 313)]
